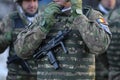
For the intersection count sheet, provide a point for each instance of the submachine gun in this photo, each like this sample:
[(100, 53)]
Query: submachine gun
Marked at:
[(47, 49)]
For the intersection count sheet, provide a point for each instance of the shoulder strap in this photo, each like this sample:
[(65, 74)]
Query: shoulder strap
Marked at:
[(91, 13), (18, 23), (86, 10)]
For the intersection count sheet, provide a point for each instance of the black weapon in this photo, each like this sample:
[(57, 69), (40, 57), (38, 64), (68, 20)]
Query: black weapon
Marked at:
[(18, 60), (46, 50)]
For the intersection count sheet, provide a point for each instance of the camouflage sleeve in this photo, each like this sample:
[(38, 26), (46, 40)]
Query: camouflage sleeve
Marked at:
[(5, 34), (49, 15), (29, 40), (95, 34)]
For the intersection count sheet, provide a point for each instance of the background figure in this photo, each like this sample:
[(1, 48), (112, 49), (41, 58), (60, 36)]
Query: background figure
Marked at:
[(94, 3), (113, 52), (105, 7), (6, 6)]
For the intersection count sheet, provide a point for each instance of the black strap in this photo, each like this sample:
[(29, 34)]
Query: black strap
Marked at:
[(18, 22)]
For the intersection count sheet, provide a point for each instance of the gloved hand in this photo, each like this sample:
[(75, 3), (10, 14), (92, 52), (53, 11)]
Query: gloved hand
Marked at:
[(76, 7), (49, 14)]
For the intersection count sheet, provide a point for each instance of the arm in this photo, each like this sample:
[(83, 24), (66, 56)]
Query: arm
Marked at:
[(29, 40), (94, 35), (5, 33)]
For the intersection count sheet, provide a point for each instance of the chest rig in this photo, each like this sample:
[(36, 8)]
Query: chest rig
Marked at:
[(73, 65)]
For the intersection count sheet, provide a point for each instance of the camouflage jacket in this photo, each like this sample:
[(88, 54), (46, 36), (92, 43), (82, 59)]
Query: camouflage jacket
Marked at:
[(12, 26), (82, 45)]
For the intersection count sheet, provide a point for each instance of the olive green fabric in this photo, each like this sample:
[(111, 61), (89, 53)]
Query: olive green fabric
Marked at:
[(6, 31), (76, 7)]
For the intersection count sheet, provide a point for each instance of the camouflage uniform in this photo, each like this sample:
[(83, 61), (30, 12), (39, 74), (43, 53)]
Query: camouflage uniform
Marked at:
[(17, 32), (9, 32), (79, 63), (113, 52)]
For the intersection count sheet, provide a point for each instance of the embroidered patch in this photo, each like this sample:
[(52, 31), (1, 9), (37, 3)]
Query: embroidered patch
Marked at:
[(103, 24)]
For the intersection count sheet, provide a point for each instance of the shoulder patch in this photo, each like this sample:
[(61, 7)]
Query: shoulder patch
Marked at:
[(103, 24)]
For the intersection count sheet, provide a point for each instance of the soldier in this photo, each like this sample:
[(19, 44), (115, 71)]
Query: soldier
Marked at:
[(21, 23), (79, 63), (86, 38), (113, 52)]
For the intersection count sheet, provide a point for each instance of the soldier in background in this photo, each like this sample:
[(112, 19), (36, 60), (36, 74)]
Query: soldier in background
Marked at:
[(113, 52), (6, 6), (105, 7)]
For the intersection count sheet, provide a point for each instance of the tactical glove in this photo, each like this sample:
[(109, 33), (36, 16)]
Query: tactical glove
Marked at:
[(76, 7), (48, 16)]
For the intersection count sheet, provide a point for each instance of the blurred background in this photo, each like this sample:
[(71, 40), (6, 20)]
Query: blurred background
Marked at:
[(6, 6)]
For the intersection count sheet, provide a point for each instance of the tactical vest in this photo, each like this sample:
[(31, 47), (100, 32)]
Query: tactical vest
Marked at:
[(15, 71), (78, 64), (113, 51)]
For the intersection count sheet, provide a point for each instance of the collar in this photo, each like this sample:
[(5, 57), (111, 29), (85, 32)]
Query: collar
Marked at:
[(26, 19), (102, 9), (66, 9)]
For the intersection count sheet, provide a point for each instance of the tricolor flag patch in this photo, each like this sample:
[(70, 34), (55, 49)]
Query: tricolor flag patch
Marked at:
[(103, 24)]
